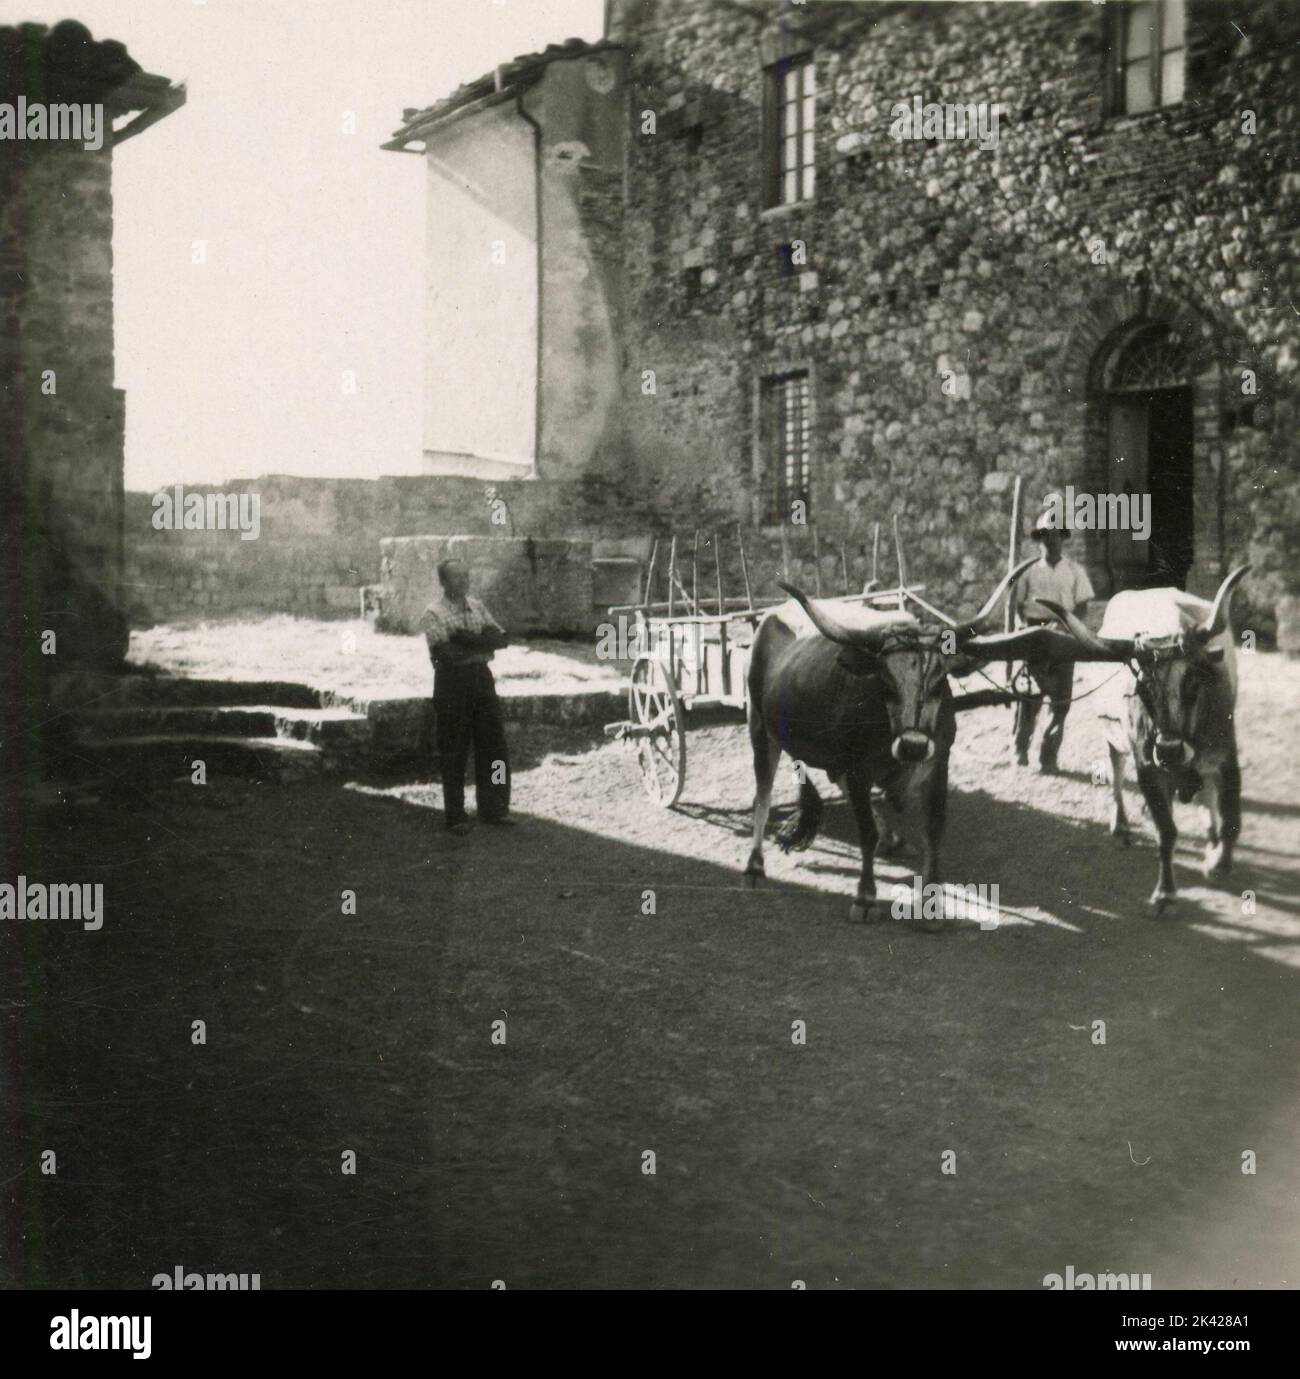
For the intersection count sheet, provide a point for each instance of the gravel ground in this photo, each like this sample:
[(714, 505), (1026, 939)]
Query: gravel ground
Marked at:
[(670, 1032), (352, 658)]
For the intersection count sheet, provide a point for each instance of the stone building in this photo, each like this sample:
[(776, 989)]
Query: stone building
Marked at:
[(61, 417), (878, 258)]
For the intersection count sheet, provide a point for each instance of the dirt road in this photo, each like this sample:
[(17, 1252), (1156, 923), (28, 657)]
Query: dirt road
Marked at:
[(669, 1032)]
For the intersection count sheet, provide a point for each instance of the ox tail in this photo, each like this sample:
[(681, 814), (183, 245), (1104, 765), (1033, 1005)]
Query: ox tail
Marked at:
[(799, 831)]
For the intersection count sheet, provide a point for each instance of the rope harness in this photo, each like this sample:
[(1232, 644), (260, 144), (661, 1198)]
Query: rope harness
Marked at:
[(919, 638), (1023, 674)]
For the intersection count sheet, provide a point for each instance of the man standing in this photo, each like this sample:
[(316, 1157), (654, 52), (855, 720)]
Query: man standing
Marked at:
[(462, 637), (1063, 581)]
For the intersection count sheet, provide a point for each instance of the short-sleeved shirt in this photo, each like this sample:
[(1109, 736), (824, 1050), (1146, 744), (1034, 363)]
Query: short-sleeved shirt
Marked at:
[(440, 619), (1066, 583)]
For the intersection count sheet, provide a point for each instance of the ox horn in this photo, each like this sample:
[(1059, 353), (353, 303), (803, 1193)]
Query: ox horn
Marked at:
[(976, 625), (868, 638), (902, 564), (1105, 648), (1218, 619)]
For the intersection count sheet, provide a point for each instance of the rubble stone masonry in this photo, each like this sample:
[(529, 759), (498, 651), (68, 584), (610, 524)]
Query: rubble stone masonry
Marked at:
[(934, 256), (63, 423)]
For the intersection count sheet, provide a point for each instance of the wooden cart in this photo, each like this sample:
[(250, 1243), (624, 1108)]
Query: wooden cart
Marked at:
[(691, 661)]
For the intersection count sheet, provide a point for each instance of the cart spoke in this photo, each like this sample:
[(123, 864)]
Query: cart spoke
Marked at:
[(655, 706)]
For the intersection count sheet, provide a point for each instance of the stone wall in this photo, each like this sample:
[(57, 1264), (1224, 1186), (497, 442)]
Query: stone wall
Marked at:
[(62, 421), (63, 418), (319, 543), (926, 257), (538, 587), (319, 539)]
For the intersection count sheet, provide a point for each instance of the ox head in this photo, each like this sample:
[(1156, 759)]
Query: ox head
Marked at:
[(1174, 674), (912, 662)]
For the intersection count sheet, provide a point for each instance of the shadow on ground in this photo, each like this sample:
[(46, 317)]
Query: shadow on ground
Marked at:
[(627, 1033)]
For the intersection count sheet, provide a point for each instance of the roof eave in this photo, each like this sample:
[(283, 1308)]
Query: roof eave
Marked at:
[(431, 124), (153, 98), (511, 79)]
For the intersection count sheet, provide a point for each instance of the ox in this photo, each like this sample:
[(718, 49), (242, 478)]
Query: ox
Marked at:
[(1180, 693), (868, 703)]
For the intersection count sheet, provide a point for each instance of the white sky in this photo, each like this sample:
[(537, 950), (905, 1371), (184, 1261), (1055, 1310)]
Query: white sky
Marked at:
[(315, 258)]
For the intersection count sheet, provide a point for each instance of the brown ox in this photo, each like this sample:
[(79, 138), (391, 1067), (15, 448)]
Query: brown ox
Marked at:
[(869, 704), (1180, 697)]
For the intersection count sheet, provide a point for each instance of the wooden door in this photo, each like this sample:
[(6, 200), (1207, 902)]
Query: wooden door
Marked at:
[(1127, 558)]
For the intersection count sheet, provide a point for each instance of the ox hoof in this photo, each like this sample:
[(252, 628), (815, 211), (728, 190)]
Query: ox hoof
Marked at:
[(863, 911), (1160, 901), (1122, 835), (891, 845), (1217, 863)]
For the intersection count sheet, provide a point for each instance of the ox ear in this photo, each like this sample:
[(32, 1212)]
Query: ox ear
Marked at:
[(1213, 653), (857, 661)]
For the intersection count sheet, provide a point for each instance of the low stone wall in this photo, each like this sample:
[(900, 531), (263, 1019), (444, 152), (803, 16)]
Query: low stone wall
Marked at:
[(531, 586), (318, 542)]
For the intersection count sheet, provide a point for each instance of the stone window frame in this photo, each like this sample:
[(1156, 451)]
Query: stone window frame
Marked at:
[(764, 459), (780, 52), (1116, 20)]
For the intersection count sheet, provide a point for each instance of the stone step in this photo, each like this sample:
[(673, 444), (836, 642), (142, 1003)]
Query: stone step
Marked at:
[(226, 693), (330, 727), (164, 756), (326, 727), (140, 690), (141, 720)]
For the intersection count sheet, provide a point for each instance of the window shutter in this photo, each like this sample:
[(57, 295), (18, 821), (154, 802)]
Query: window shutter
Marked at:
[(771, 136), (1112, 20)]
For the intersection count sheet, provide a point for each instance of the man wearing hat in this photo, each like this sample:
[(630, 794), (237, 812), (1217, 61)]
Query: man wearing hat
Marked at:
[(1063, 581)]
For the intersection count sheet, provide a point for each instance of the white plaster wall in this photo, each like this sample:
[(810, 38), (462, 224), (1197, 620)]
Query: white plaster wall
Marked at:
[(481, 323)]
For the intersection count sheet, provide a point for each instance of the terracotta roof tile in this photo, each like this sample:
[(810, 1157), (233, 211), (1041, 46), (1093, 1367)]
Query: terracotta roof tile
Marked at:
[(67, 63), (519, 71)]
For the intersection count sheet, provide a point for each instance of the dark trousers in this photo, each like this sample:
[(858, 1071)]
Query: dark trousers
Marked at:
[(1057, 683), (468, 714)]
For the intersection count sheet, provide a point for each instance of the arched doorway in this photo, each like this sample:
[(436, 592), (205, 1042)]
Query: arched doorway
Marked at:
[(1147, 386)]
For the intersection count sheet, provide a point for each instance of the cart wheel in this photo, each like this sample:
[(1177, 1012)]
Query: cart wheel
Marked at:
[(653, 702)]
